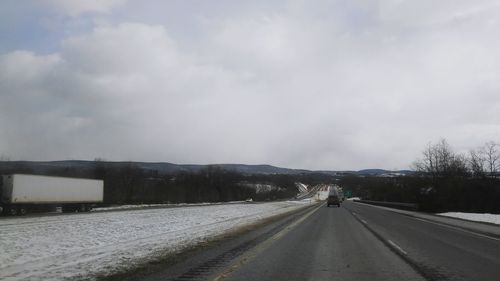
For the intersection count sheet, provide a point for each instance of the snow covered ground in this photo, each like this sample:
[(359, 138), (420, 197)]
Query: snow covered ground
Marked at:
[(491, 218), (81, 246)]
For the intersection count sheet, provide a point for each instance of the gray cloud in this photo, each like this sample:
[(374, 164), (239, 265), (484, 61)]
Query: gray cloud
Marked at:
[(75, 8), (326, 86)]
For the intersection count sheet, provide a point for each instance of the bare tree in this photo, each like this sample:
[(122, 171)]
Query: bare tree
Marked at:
[(477, 163), (4, 157), (491, 155), (129, 175), (439, 160)]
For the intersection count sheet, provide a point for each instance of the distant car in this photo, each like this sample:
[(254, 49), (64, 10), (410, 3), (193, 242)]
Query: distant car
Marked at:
[(333, 199)]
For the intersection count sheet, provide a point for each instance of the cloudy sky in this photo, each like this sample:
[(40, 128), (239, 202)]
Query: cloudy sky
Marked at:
[(340, 84)]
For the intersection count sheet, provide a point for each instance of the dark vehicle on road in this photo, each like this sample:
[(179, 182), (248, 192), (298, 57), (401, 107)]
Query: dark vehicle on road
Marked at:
[(333, 198)]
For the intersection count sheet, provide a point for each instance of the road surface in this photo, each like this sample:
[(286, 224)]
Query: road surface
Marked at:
[(354, 242)]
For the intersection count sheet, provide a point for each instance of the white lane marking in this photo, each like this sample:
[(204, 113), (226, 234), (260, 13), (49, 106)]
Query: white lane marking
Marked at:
[(394, 245), (458, 228), (359, 218)]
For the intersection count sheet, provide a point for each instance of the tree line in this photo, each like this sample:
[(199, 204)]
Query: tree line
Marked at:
[(444, 180), (127, 183)]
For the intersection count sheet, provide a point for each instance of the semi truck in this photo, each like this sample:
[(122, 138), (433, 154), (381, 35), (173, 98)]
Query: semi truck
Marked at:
[(20, 193), (333, 197)]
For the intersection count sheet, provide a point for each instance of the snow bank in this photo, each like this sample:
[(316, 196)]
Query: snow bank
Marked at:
[(303, 201), (142, 206), (353, 198), (491, 218), (81, 246)]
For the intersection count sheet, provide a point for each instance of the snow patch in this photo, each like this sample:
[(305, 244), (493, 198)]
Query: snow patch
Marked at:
[(261, 187), (490, 218)]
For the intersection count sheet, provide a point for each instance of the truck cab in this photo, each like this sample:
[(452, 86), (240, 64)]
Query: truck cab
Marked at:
[(333, 200)]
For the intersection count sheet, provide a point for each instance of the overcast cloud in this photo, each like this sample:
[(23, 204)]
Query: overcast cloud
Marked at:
[(304, 84)]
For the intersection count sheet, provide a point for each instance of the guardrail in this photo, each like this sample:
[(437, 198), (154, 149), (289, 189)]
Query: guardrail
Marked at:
[(397, 205)]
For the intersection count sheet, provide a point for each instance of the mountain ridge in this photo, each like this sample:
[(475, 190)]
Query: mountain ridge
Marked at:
[(171, 168)]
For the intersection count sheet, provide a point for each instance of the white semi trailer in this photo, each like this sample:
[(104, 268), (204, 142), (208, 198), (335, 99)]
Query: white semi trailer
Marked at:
[(20, 193)]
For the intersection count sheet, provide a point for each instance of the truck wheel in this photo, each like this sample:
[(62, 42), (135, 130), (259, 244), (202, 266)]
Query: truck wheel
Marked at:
[(82, 208), (22, 211), (12, 211)]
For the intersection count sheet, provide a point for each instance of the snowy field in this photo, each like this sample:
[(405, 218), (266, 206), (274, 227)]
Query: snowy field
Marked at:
[(491, 218), (82, 246)]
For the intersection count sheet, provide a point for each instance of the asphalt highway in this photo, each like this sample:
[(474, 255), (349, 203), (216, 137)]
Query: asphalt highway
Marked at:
[(353, 242), (330, 244)]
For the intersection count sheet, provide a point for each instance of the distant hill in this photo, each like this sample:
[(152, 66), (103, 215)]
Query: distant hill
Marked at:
[(381, 172), (41, 167), (371, 172)]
